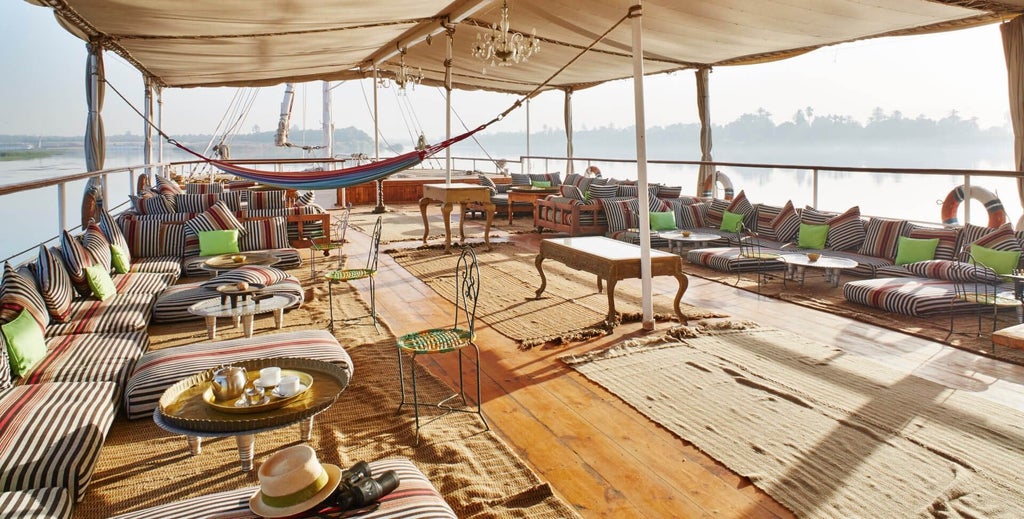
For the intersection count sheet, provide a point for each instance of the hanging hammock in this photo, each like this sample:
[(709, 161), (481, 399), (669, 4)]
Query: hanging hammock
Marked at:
[(334, 178)]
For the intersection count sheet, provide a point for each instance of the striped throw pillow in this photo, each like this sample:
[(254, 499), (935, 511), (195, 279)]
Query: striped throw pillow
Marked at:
[(76, 258), (274, 199), (713, 216), (113, 233), (620, 213), (628, 191), (168, 184), (153, 239), (787, 224), (881, 237), (846, 231), (202, 188), (153, 204), (99, 248), (19, 293), (486, 181), (264, 233), (765, 214), (946, 250), (669, 191), (520, 179), (54, 284), (306, 198), (603, 190)]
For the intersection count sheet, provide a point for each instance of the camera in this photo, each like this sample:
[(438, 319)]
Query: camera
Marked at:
[(358, 487)]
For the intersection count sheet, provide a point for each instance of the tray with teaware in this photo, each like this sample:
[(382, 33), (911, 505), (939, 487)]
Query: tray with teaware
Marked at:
[(272, 397)]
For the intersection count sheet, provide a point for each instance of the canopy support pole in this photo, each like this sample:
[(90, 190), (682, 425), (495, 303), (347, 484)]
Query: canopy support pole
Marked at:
[(449, 43), (529, 163), (147, 131), (379, 208), (706, 173), (636, 13), (567, 115), (159, 121)]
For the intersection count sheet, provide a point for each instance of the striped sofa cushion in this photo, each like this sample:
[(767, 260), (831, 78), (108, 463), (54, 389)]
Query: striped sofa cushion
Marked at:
[(98, 246), (167, 182), (76, 259), (151, 204), (946, 250), (216, 218), (881, 236), (173, 303), (867, 266), (273, 199), (118, 314), (307, 198), (669, 192), (264, 233), (53, 283), (729, 259), (151, 239), (202, 188), (634, 238), (18, 292), (415, 497), (52, 433), (603, 190), (158, 265), (309, 228), (787, 223), (287, 258), (197, 203), (621, 214), (251, 274), (157, 370), (51, 503), (846, 230), (1001, 238), (143, 282), (765, 215), (113, 233), (713, 214), (89, 357), (915, 296), (555, 178)]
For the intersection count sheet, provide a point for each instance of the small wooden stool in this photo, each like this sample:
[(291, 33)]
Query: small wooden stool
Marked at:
[(1012, 337)]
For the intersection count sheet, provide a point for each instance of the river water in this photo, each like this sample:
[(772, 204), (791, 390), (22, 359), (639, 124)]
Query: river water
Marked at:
[(31, 217)]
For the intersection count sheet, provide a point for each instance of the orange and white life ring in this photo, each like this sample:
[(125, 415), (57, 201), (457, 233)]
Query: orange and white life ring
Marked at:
[(994, 206), (593, 171), (720, 178)]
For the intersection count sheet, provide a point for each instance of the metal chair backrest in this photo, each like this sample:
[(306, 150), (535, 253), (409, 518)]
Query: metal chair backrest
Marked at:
[(371, 258), (467, 288), (340, 225)]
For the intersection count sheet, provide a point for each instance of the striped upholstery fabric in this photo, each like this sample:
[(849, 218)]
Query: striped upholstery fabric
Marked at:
[(741, 205), (520, 179), (669, 191), (216, 218), (729, 259), (620, 214), (866, 265), (96, 243), (51, 503), (306, 198), (634, 237), (53, 283), (627, 191), (919, 297), (881, 237), (969, 234), (415, 498), (714, 212), (765, 215), (167, 182), (251, 274), (572, 193), (157, 370), (89, 357), (555, 178), (786, 224), (846, 231), (118, 314), (143, 282), (203, 188), (153, 204), (76, 258), (52, 433), (603, 191), (173, 303), (812, 216), (486, 181), (159, 265), (1002, 238), (895, 271), (308, 228), (18, 293), (151, 239), (264, 233), (113, 233), (274, 199), (689, 216), (946, 250), (287, 258), (186, 203)]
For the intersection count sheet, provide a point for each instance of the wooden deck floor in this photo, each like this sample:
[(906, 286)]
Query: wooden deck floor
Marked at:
[(606, 459)]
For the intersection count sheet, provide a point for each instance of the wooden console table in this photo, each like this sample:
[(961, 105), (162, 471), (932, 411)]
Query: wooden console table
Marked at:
[(611, 260), (462, 194)]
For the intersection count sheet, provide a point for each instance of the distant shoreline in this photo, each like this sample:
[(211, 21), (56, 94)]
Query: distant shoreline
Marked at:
[(27, 154)]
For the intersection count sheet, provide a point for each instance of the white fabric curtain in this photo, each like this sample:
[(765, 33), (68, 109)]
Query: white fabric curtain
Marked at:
[(95, 141), (704, 111), (1013, 49), (567, 106)]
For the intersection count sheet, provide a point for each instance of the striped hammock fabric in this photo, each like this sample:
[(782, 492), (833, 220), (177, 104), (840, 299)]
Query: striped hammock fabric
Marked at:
[(335, 178)]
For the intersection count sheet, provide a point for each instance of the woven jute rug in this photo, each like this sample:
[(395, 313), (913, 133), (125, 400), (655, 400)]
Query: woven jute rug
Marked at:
[(570, 308), (141, 465), (825, 433), (404, 222), (823, 296)]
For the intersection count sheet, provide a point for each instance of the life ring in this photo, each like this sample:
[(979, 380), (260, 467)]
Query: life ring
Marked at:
[(142, 184), (593, 171), (994, 206), (721, 178), (91, 201)]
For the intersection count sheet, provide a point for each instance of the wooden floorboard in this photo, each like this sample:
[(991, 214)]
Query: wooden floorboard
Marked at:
[(605, 458)]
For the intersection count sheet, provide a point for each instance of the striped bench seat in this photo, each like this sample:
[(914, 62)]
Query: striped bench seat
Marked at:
[(89, 357), (173, 303), (287, 258), (916, 296), (119, 314), (867, 266), (51, 503), (157, 370), (51, 434), (143, 282), (729, 259), (158, 265), (414, 497)]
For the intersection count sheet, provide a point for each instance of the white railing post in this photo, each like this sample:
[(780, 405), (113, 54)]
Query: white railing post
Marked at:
[(967, 199), (62, 216), (814, 188)]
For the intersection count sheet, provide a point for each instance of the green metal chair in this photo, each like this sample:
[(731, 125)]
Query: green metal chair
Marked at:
[(369, 273), (335, 239), (460, 335)]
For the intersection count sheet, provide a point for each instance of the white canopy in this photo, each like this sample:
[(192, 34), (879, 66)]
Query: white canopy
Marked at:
[(198, 43)]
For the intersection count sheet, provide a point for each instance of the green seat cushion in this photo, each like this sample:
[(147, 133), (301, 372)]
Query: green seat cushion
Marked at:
[(663, 221), (912, 250), (100, 283), (812, 236), (212, 243), (540, 183), (731, 221), (1000, 261), (25, 343)]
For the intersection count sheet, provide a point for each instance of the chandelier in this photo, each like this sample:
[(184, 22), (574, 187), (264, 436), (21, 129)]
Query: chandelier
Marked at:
[(404, 76), (503, 48)]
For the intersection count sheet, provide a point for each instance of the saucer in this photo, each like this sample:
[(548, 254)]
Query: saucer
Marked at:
[(260, 384), (276, 391), (242, 403)]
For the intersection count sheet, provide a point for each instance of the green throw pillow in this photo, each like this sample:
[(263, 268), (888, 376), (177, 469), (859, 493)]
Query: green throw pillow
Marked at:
[(212, 243), (540, 183), (1000, 261), (812, 236), (25, 343), (119, 260), (663, 221), (912, 250), (100, 283), (731, 221)]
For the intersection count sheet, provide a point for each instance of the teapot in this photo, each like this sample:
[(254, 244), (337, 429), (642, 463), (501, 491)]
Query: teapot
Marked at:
[(229, 382)]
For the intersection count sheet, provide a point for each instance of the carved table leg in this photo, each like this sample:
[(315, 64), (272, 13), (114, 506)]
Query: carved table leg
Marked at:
[(211, 327), (540, 269), (424, 202), (489, 209), (684, 282), (247, 324), (446, 211), (612, 315)]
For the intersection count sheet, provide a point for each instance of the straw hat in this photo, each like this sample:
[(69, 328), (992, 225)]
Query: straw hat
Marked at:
[(292, 480)]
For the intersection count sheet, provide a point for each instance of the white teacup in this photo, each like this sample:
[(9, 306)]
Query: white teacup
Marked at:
[(270, 376), (288, 386)]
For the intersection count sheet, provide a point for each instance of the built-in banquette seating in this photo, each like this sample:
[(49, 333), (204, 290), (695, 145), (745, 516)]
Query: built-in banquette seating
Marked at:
[(499, 192)]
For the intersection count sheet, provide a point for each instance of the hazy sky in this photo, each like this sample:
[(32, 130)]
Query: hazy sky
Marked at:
[(43, 92)]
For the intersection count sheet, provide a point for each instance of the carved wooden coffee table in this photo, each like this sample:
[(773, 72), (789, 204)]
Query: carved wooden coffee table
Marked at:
[(456, 193), (611, 260)]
